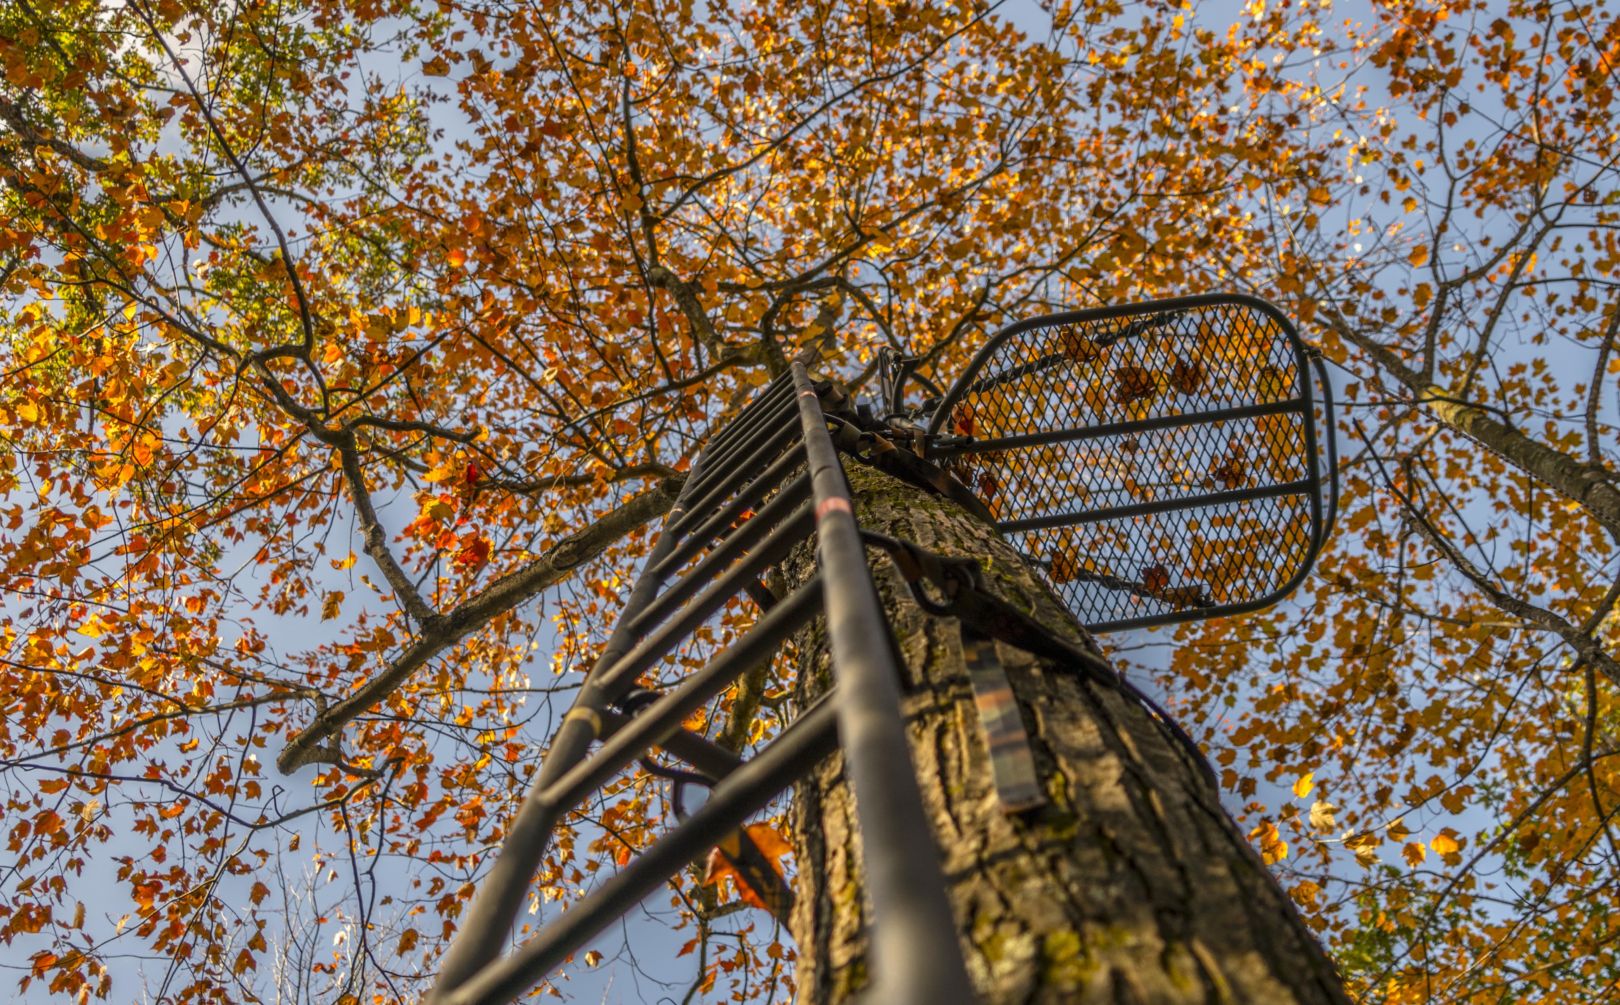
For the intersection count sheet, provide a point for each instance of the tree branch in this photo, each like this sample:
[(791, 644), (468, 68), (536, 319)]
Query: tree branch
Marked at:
[(376, 539), (310, 744), (1586, 484), (1577, 638)]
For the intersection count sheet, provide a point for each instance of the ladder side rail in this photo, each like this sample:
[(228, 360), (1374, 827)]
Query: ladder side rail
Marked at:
[(916, 957), (494, 908)]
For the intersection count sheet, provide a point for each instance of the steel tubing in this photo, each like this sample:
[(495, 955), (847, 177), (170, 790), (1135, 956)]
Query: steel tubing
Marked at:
[(1302, 486), (768, 402), (723, 458), (750, 495), (1131, 428), (501, 895), (727, 474), (748, 789), (916, 957), (652, 725), (621, 676), (758, 528)]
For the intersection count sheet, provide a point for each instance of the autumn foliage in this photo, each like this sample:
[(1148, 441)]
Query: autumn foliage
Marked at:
[(352, 350)]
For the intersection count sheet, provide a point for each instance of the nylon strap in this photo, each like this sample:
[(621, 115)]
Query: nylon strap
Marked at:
[(1012, 763)]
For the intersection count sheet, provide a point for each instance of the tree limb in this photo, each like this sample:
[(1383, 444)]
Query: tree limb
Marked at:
[(1586, 484), (311, 743), (376, 539), (1578, 638)]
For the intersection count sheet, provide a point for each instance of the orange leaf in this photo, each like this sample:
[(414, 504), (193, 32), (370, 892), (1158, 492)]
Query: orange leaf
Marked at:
[(1074, 344), (1155, 578), (1187, 376), (1062, 568), (473, 554), (770, 842), (1134, 383)]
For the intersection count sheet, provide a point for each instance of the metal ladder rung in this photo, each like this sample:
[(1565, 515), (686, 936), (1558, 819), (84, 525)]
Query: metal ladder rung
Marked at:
[(653, 724), (700, 752), (762, 530), (715, 527), (721, 480), (613, 680), (764, 404), (915, 953)]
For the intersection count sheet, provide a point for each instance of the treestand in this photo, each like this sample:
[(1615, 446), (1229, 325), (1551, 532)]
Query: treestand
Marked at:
[(984, 811)]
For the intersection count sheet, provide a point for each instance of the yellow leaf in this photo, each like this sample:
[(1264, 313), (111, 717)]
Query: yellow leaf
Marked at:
[(1306, 783), (1445, 843), (1273, 848), (28, 411), (1419, 256), (1415, 853), (1322, 817)]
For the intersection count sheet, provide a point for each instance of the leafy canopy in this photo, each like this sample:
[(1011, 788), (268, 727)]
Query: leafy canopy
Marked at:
[(349, 349)]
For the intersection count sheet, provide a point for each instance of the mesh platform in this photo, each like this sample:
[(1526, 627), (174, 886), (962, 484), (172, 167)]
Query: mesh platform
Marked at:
[(1159, 462)]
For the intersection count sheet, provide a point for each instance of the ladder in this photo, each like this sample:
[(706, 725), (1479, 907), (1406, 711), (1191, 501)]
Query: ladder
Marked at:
[(762, 486), (1158, 462)]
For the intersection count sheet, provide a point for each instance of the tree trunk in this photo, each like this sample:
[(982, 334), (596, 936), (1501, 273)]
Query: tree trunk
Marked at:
[(1131, 884)]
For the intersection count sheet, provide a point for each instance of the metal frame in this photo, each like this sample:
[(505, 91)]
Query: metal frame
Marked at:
[(915, 955), (1305, 403), (765, 484)]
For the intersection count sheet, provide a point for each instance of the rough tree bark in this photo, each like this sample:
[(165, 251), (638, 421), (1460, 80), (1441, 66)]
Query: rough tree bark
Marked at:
[(1131, 886)]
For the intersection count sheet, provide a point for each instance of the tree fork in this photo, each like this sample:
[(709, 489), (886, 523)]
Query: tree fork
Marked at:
[(1131, 884)]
